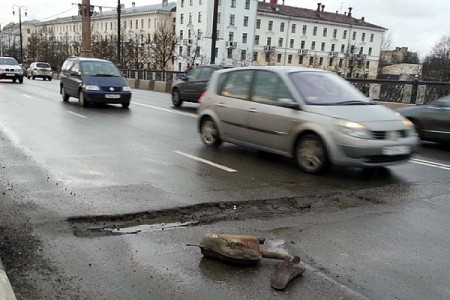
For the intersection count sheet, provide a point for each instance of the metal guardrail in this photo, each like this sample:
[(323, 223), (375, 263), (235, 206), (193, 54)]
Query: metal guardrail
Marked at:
[(412, 92), (152, 74)]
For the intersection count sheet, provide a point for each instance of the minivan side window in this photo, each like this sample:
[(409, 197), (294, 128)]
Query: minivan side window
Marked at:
[(237, 84), (67, 65), (75, 68), (268, 88)]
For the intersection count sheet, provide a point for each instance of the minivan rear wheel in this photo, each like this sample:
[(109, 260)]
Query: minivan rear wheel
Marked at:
[(310, 154), (176, 100), (209, 133), (64, 96)]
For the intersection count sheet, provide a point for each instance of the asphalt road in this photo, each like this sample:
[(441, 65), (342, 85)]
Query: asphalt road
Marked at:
[(74, 177)]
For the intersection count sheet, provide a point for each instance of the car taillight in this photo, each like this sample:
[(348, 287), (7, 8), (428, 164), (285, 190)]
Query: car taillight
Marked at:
[(202, 97)]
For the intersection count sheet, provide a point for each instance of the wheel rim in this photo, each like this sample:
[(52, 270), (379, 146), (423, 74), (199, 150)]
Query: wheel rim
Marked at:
[(311, 155), (209, 132), (176, 98)]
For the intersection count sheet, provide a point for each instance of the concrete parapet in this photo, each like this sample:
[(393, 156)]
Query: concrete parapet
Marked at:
[(160, 86)]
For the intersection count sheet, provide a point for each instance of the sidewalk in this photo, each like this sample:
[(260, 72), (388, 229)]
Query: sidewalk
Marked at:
[(6, 291)]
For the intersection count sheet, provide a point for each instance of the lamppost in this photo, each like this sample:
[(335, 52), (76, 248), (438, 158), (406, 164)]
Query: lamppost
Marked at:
[(19, 8)]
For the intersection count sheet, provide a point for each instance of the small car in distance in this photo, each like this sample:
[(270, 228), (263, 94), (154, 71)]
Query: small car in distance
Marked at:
[(432, 121), (40, 70), (190, 87), (93, 80), (10, 69), (311, 115)]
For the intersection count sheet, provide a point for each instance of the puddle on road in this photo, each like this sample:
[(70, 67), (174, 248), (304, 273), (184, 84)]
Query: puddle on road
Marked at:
[(145, 228)]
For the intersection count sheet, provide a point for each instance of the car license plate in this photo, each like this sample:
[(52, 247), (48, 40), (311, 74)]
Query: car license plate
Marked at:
[(10, 74), (112, 96), (396, 150)]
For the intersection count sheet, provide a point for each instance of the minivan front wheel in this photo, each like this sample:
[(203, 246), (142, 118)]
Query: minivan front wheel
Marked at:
[(176, 100), (82, 99), (209, 133), (310, 154)]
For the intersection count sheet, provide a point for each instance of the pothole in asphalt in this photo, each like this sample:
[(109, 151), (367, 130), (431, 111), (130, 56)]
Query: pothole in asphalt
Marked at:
[(207, 213)]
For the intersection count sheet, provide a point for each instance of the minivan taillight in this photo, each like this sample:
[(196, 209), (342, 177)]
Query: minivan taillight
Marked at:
[(202, 97)]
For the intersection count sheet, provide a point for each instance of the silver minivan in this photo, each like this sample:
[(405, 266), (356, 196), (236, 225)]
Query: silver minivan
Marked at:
[(311, 115)]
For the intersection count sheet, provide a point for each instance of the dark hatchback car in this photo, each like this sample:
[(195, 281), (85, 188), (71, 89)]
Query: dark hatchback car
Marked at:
[(93, 80), (190, 87), (432, 121)]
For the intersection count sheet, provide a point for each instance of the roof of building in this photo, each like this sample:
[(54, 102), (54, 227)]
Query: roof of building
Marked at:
[(316, 15)]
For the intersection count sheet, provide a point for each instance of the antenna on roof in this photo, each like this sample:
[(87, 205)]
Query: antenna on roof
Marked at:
[(342, 5)]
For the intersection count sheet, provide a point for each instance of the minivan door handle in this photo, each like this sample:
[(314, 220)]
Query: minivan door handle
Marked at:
[(252, 110)]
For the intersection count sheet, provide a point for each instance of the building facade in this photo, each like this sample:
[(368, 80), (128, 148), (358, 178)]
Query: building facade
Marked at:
[(249, 32)]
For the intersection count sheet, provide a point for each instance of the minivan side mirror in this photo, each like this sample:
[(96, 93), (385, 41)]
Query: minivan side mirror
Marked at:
[(76, 74), (288, 103)]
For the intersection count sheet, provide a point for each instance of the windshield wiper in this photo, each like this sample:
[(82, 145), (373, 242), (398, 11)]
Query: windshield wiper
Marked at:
[(104, 75), (354, 102)]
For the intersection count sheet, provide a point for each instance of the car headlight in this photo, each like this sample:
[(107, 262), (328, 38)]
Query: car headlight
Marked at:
[(411, 127), (353, 129), (126, 89), (92, 88)]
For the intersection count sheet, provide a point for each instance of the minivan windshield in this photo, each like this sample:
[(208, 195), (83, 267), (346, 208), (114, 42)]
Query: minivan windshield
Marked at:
[(323, 88), (99, 69)]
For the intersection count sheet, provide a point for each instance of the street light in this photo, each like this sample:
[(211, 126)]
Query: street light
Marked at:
[(19, 8)]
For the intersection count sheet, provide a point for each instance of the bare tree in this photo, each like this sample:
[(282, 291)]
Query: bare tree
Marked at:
[(386, 44), (162, 47), (437, 65)]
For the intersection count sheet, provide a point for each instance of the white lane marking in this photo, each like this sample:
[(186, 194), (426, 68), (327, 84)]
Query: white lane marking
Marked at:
[(166, 109), (206, 162), (27, 96), (75, 114), (430, 164)]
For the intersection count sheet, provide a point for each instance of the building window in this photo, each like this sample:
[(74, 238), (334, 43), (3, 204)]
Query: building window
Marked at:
[(363, 37), (190, 18), (258, 23), (231, 36), (256, 40), (322, 46), (370, 51), (269, 41), (325, 32), (304, 29), (149, 23), (218, 18), (245, 21), (180, 51), (293, 28), (291, 43), (270, 25), (233, 3), (371, 37), (342, 48), (230, 53), (344, 34), (247, 4), (199, 17), (320, 61), (311, 60), (243, 55), (367, 65), (300, 60), (282, 27), (182, 3), (315, 30), (181, 18), (232, 18), (280, 42), (181, 34), (199, 34), (361, 50), (313, 45), (335, 33), (131, 24), (244, 38), (330, 62), (255, 56), (191, 2), (278, 58), (289, 59), (354, 36), (302, 45)]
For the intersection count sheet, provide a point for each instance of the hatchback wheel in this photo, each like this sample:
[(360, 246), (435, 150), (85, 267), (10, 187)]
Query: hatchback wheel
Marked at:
[(34, 77), (82, 99), (209, 133), (311, 155), (49, 79), (65, 97), (176, 100)]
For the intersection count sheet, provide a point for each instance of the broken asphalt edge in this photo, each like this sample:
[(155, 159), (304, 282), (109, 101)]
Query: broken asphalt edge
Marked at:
[(6, 291)]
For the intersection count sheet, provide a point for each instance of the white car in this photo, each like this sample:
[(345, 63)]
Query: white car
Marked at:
[(10, 69), (40, 70)]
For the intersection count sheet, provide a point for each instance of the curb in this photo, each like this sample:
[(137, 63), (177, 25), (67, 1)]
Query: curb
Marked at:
[(6, 291)]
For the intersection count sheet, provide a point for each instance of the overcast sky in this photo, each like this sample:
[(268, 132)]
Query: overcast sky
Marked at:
[(416, 24)]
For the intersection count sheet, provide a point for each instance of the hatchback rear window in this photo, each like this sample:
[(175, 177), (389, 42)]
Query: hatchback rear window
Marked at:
[(43, 65)]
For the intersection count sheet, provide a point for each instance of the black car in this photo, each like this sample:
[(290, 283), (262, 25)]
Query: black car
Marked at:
[(190, 87), (432, 121), (93, 80)]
